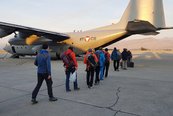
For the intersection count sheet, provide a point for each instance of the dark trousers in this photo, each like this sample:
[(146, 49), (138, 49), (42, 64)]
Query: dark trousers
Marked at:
[(106, 68), (68, 72), (40, 78), (97, 74), (90, 76), (116, 64), (128, 61)]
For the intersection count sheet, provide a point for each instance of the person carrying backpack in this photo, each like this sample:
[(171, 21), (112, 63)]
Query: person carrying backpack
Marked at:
[(71, 67), (116, 57), (90, 59), (107, 61)]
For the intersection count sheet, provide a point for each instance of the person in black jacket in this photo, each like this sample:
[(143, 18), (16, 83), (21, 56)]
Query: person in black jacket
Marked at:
[(124, 55), (129, 58)]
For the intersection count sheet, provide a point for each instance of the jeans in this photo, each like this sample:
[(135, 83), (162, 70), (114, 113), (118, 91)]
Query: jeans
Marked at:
[(101, 72), (68, 72)]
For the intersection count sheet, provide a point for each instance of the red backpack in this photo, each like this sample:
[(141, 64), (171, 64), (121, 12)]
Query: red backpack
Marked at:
[(106, 57)]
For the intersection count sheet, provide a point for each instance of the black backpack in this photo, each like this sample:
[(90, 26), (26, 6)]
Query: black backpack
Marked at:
[(91, 60), (67, 60)]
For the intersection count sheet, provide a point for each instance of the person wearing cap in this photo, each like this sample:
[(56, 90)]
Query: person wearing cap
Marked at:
[(89, 67), (43, 64), (71, 70)]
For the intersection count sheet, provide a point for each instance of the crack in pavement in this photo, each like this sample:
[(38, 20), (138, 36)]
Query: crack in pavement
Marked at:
[(116, 113), (80, 102), (116, 102), (27, 92), (102, 107), (14, 98), (128, 113), (117, 95)]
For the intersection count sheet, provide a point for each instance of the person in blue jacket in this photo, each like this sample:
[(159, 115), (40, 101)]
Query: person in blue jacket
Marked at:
[(116, 57), (101, 62), (43, 64)]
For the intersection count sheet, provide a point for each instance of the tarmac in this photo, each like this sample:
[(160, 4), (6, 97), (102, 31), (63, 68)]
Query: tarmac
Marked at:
[(145, 90)]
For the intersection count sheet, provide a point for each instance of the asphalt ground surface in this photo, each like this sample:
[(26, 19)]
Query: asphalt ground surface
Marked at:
[(145, 90)]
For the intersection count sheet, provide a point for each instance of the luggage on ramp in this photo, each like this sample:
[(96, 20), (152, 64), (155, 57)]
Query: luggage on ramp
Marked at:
[(130, 64)]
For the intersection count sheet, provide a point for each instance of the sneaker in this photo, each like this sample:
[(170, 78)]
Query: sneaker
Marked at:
[(34, 101), (53, 99), (76, 89)]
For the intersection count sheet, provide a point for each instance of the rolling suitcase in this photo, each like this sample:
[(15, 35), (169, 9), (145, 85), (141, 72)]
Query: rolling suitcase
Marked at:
[(130, 64)]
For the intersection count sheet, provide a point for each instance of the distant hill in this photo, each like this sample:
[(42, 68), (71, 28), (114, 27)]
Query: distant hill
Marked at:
[(148, 43)]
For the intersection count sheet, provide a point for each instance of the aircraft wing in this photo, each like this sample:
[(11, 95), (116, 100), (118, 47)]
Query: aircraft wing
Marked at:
[(7, 28), (165, 28)]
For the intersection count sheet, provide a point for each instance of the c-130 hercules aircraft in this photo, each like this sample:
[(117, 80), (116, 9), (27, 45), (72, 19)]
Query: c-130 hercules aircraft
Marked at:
[(140, 17)]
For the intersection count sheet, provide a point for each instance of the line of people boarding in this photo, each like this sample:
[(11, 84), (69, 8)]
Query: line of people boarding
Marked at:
[(97, 64)]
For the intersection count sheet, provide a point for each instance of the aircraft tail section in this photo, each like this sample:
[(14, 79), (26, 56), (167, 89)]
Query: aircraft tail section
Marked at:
[(149, 11), (145, 10)]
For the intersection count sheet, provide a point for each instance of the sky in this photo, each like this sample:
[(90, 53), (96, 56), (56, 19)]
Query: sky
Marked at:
[(69, 15)]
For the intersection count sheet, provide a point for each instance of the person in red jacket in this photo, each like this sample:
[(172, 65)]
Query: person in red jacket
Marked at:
[(90, 66), (70, 69)]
